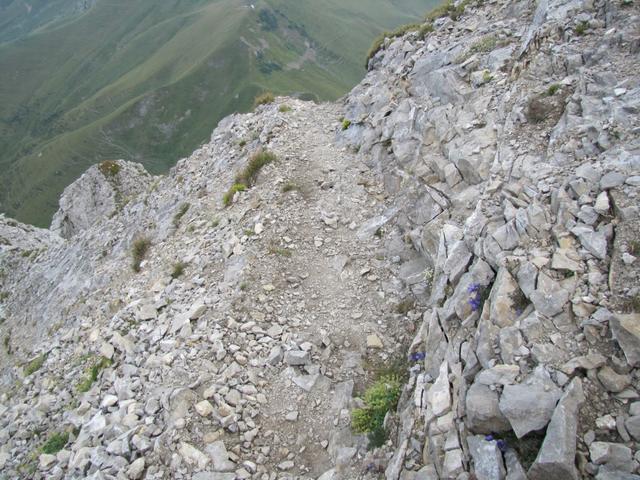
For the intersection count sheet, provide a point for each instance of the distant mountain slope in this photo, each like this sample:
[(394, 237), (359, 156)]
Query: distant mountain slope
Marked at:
[(77, 76)]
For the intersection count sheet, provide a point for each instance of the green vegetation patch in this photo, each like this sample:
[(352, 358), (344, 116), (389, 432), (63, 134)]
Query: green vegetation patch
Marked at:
[(380, 398), (290, 187), (346, 124), (34, 365), (94, 370), (227, 198), (284, 108), (178, 269), (109, 168), (553, 89), (264, 99), (422, 30), (139, 251), (55, 443), (257, 161)]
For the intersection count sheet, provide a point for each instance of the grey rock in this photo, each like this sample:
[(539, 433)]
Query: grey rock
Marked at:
[(626, 331), (220, 457), (529, 406), (612, 180), (549, 298), (556, 457), (633, 427), (612, 381), (297, 358), (585, 362), (593, 241), (515, 471), (213, 476), (487, 458), (614, 455), (483, 412)]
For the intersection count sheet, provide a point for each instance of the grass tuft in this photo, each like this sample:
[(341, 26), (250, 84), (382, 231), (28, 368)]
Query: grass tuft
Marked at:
[(178, 269), (34, 365), (55, 443), (257, 161), (109, 168), (139, 251), (263, 99), (290, 187), (180, 213), (284, 108), (227, 198)]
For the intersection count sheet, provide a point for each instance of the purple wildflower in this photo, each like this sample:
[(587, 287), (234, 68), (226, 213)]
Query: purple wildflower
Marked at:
[(488, 438), (502, 445), (417, 356), (473, 288)]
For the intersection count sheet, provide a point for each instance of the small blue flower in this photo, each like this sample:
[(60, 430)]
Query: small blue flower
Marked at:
[(502, 445), (488, 438), (417, 356), (473, 288)]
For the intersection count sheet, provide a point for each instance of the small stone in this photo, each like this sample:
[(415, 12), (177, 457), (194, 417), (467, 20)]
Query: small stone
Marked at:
[(373, 341), (633, 427), (291, 416), (204, 408), (286, 465), (46, 460)]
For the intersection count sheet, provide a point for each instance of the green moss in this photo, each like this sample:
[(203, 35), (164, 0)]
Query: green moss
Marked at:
[(34, 365), (346, 124), (139, 251), (553, 89), (380, 398), (55, 443), (263, 99)]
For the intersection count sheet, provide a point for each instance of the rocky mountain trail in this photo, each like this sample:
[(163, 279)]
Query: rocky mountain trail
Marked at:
[(466, 219)]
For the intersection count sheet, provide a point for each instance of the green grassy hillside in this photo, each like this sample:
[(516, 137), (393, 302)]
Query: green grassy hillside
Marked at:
[(86, 80)]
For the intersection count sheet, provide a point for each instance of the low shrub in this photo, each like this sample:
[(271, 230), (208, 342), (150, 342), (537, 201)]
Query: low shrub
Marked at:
[(380, 398), (109, 168), (263, 99)]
